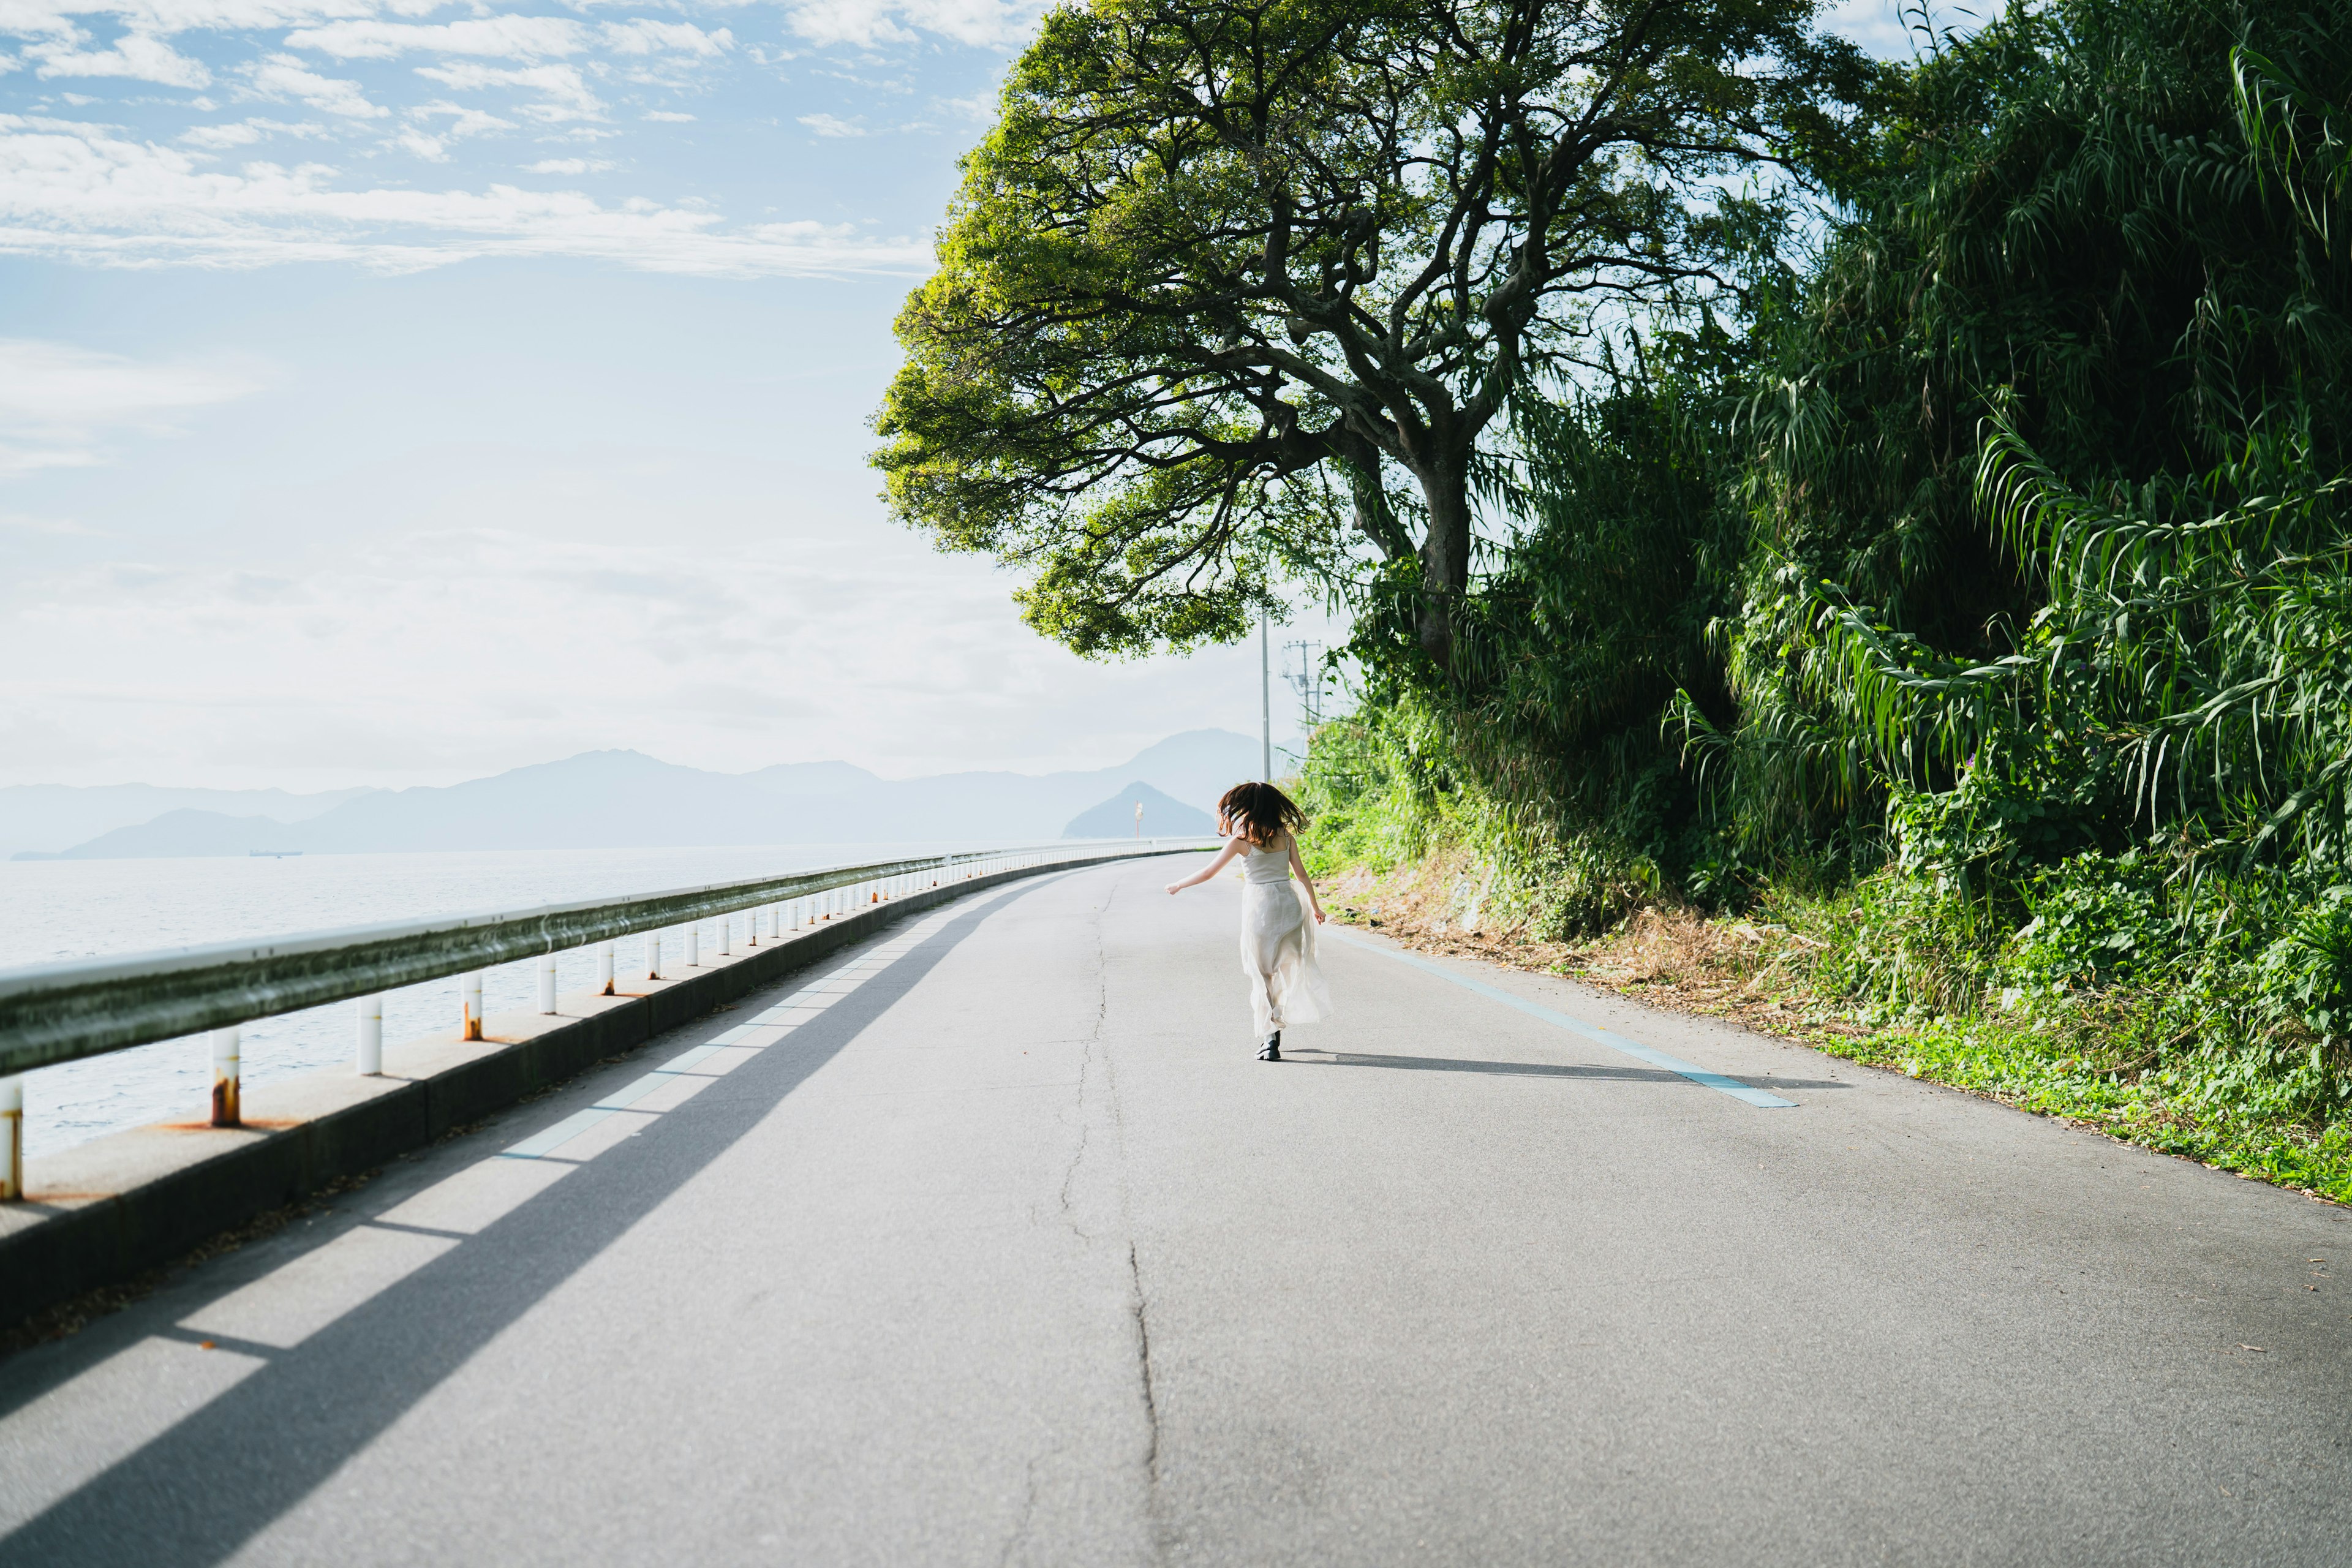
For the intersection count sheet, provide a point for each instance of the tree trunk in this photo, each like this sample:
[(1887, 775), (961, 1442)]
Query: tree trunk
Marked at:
[(1376, 520), (1444, 558)]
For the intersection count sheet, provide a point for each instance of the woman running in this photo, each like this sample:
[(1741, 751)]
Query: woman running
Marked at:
[(1286, 986)]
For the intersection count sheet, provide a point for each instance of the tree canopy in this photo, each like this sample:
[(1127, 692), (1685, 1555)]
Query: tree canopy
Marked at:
[(1231, 278)]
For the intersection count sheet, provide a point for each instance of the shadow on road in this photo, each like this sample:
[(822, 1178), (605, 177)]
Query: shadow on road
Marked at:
[(1534, 1069), (201, 1489)]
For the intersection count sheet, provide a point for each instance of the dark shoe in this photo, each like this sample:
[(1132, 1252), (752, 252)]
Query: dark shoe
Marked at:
[(1272, 1050)]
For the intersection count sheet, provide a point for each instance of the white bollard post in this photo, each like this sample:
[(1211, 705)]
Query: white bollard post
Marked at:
[(603, 969), (653, 955), (469, 1005), (547, 983), (371, 1036), (726, 936), (694, 944), (228, 1072), (752, 928), (12, 1139)]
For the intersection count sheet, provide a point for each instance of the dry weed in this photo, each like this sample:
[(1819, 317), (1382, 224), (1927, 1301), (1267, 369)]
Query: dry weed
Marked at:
[(1666, 955)]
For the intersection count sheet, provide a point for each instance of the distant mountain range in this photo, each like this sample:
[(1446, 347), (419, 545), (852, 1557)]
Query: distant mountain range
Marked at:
[(611, 800), (1160, 817), (51, 817)]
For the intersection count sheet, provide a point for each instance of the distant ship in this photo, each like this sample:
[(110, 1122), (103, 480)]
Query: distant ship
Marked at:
[(272, 854)]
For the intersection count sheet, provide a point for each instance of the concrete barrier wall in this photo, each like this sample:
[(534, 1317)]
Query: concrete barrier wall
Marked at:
[(107, 1210)]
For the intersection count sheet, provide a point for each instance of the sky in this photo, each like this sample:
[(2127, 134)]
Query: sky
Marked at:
[(395, 393)]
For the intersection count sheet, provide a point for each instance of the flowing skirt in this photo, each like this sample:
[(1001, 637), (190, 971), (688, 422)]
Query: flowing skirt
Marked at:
[(1285, 985)]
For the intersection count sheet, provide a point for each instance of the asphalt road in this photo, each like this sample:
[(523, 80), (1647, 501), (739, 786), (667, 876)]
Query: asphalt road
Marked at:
[(996, 1246)]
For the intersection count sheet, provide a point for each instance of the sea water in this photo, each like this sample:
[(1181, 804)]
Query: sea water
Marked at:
[(55, 911)]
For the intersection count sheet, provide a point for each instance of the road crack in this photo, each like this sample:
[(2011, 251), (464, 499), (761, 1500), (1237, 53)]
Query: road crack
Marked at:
[(1143, 1367)]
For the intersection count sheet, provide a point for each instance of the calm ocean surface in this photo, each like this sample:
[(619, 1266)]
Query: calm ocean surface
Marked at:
[(52, 910)]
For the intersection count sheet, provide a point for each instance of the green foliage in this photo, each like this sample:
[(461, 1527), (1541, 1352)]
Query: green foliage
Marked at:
[(2096, 922), (1976, 600), (2046, 480), (1386, 788), (2305, 976), (1222, 264)]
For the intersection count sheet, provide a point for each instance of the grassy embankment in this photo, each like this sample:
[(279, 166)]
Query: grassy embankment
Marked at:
[(1851, 972)]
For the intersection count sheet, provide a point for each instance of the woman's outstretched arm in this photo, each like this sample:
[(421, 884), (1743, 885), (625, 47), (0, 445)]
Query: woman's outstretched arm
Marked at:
[(1232, 847), (1298, 869)]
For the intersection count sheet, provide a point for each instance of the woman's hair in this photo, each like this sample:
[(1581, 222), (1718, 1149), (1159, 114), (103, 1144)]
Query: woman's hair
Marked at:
[(1259, 813)]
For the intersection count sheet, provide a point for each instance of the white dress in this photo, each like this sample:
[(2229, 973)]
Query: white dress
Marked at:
[(1285, 985)]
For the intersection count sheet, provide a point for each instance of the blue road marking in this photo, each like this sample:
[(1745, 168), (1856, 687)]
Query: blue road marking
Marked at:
[(1615, 1042)]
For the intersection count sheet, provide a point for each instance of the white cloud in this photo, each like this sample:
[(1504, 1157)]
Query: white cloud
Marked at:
[(137, 56), (1875, 25), (84, 192), (501, 37), (644, 37), (980, 108), (244, 133), (830, 125), (464, 122), (285, 76), (52, 526), (754, 647), (565, 93), (983, 24), (568, 166), (862, 22), (434, 146), (667, 117), (164, 18), (59, 404), (213, 137)]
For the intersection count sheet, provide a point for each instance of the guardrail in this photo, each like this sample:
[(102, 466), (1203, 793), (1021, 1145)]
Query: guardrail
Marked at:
[(56, 1013)]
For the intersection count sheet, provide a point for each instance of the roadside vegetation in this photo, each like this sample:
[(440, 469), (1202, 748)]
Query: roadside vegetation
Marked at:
[(1905, 598)]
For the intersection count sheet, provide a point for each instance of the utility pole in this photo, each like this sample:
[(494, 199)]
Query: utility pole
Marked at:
[(1265, 700), (1308, 683)]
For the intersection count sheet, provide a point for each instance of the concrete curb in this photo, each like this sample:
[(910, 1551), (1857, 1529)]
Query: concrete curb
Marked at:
[(107, 1210)]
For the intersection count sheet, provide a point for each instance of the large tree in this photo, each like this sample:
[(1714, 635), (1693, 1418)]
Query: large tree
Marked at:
[(1220, 259)]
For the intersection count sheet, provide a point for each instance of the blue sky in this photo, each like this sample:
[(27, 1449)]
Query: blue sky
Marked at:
[(394, 392)]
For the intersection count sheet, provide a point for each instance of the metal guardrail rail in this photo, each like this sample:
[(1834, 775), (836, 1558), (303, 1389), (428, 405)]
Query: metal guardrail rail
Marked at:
[(56, 1013)]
